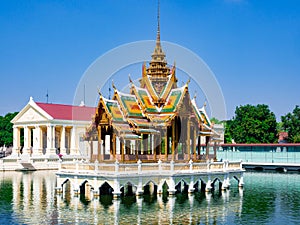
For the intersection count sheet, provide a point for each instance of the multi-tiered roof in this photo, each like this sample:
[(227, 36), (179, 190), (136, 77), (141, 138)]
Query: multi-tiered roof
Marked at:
[(153, 107)]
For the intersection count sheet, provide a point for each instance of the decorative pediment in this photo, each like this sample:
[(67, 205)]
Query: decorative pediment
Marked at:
[(31, 114)]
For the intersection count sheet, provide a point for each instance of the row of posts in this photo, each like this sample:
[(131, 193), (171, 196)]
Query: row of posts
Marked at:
[(225, 166), (170, 180)]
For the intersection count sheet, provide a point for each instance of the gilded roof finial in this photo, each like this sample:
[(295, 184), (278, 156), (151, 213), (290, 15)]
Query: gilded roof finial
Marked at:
[(158, 25), (113, 85), (188, 81), (99, 92), (158, 54), (129, 78)]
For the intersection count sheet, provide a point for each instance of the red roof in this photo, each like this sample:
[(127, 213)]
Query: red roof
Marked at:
[(261, 145), (68, 112)]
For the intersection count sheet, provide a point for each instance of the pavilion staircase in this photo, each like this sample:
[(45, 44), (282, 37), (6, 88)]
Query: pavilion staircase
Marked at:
[(27, 167)]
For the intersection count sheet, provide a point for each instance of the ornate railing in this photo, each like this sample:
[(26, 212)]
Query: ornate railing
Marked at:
[(82, 167)]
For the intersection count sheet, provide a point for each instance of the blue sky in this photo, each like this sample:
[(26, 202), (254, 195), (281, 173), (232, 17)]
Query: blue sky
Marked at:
[(253, 47)]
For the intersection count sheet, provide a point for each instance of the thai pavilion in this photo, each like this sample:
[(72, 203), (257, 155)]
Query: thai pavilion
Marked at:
[(149, 136), (156, 120)]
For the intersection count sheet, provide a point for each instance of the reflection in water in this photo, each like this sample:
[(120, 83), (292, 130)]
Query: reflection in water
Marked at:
[(269, 198)]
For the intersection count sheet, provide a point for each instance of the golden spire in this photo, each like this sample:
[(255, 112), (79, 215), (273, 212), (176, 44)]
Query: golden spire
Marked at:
[(158, 54)]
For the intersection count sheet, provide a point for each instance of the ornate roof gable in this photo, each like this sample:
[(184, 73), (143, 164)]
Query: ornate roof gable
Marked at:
[(129, 104), (112, 109)]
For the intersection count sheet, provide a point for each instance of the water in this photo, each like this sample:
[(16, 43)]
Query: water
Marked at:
[(267, 198), (260, 156)]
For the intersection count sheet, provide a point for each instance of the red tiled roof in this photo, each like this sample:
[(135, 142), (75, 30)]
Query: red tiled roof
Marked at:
[(260, 145), (68, 112)]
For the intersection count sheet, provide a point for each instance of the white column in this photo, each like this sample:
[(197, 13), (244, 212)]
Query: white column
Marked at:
[(36, 140), (152, 144), (53, 139), (118, 146), (50, 140), (74, 149), (16, 141), (26, 141), (132, 147), (63, 140), (107, 144)]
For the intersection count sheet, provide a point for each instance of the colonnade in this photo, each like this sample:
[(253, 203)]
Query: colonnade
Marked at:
[(111, 147), (44, 139)]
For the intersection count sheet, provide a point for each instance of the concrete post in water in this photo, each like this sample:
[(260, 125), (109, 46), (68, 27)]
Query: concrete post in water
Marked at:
[(76, 188), (241, 181), (224, 183), (140, 190), (116, 193), (160, 187), (171, 189), (191, 186), (228, 182), (96, 190), (208, 186)]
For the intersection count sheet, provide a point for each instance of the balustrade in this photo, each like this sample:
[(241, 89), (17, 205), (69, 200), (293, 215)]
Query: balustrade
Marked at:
[(143, 168)]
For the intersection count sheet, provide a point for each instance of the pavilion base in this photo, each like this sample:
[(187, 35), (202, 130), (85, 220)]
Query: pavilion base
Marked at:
[(120, 179)]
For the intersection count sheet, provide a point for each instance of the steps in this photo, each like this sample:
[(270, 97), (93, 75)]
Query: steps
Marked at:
[(26, 167)]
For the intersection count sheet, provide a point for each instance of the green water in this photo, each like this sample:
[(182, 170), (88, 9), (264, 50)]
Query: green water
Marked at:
[(267, 198)]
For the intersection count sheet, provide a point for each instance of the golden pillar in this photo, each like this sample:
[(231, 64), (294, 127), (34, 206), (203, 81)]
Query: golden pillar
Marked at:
[(99, 144), (199, 146), (188, 138), (155, 145), (207, 148), (215, 151), (114, 145), (166, 144), (194, 142), (173, 140), (91, 146), (122, 148)]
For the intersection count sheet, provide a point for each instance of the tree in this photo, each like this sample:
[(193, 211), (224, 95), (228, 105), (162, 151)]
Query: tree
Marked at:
[(252, 124), (6, 129), (216, 121), (291, 124)]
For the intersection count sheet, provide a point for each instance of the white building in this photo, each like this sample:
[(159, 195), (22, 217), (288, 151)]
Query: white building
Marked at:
[(50, 129)]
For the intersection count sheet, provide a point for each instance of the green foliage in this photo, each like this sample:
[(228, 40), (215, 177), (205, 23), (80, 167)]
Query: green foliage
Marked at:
[(6, 129), (227, 135), (215, 121), (291, 124), (252, 124)]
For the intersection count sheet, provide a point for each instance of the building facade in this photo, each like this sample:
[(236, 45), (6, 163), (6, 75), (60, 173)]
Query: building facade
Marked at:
[(42, 129), (157, 120)]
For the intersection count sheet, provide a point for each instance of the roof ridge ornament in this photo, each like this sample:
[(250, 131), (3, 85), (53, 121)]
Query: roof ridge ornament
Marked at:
[(113, 85), (158, 54), (188, 81), (130, 79), (99, 92)]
